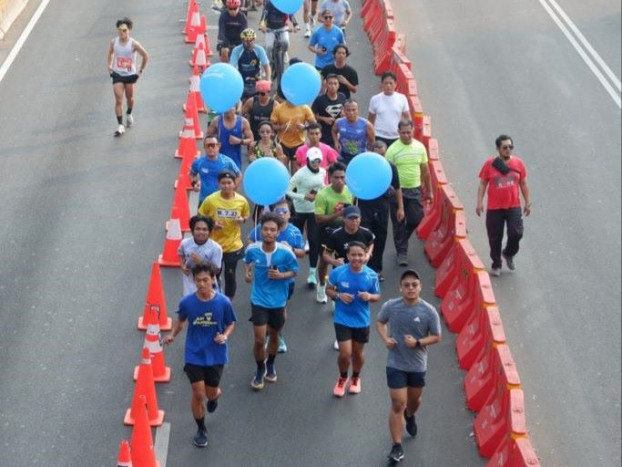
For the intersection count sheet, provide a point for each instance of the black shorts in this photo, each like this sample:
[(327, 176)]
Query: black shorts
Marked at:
[(273, 317), (325, 232), (227, 44), (117, 78), (209, 374), (398, 379), (290, 153), (346, 333)]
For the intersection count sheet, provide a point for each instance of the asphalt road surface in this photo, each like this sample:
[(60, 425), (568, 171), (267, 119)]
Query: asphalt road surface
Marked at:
[(484, 68), (83, 216)]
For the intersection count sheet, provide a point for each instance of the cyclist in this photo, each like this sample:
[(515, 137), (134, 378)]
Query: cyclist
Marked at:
[(275, 24), (231, 23), (250, 58)]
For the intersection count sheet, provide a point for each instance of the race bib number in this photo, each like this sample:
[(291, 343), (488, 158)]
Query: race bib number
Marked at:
[(124, 63)]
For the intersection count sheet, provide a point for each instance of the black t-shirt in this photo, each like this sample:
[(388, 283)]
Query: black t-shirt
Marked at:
[(347, 72), (325, 107), (395, 185), (258, 114), (339, 239)]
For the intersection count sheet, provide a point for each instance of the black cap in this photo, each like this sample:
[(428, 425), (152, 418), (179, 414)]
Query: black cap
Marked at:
[(409, 272)]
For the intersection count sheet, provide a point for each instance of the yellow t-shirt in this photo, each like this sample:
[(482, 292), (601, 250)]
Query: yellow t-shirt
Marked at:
[(225, 212), (283, 113)]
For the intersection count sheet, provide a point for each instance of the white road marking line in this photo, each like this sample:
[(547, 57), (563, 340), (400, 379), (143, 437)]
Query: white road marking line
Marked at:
[(22, 39), (160, 446), (615, 95)]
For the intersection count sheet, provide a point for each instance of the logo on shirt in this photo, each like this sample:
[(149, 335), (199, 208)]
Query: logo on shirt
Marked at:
[(227, 213), (334, 110), (204, 321), (417, 320), (345, 285)]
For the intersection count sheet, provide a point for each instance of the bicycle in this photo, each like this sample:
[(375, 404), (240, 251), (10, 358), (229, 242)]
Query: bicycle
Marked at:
[(277, 55)]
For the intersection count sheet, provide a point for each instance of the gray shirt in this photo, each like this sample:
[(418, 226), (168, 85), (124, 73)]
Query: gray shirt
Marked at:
[(419, 320)]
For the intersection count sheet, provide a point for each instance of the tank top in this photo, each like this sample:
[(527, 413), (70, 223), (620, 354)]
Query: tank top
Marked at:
[(257, 152), (124, 62), (258, 114), (233, 151), (352, 137)]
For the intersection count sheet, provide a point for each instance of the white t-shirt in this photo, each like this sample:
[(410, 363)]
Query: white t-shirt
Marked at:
[(388, 111)]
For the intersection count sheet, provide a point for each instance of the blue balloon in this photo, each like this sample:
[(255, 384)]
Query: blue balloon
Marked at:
[(368, 175), (265, 181), (288, 6), (301, 83), (221, 87)]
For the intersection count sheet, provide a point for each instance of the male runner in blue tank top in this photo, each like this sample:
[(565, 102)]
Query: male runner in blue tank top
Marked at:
[(233, 131), (352, 134)]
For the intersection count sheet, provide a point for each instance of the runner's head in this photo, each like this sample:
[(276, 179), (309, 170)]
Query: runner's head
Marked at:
[(379, 147), (226, 182), (211, 146), (505, 146), (388, 80), (281, 208), (356, 252), (337, 175), (332, 84), (124, 26), (204, 274), (201, 226), (405, 129), (271, 223), (265, 130), (351, 110), (314, 133), (327, 17), (410, 285), (352, 219), (263, 88)]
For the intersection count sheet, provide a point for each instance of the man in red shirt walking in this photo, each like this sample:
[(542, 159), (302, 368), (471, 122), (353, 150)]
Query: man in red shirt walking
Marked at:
[(503, 175)]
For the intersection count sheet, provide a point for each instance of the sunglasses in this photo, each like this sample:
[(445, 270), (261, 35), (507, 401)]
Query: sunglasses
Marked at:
[(232, 9), (281, 211), (210, 145), (328, 17), (508, 146)]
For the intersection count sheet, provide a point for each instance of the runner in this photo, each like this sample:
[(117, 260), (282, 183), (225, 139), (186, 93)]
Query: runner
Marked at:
[(198, 249), (269, 266), (353, 286), (314, 137), (231, 23), (387, 108), (407, 326), (328, 107), (352, 134), (290, 121), (258, 108), (250, 59), (122, 69), (324, 40), (211, 321), (348, 77), (233, 131), (229, 211), (266, 145)]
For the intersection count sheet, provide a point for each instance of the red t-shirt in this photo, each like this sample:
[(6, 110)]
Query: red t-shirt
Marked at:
[(503, 190)]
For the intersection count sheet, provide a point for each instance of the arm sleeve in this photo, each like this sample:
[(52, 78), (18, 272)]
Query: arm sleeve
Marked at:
[(263, 56), (229, 315), (246, 210), (235, 57), (221, 27), (320, 205), (383, 314)]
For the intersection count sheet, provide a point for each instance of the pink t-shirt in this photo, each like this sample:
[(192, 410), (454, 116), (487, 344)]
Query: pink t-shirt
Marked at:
[(329, 155), (503, 190)]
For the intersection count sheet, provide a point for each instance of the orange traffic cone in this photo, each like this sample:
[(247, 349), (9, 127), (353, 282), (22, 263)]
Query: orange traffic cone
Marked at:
[(187, 145), (124, 459), (161, 372), (199, 58), (183, 179), (145, 386), (189, 12), (143, 454), (195, 88), (169, 257), (198, 25), (180, 201), (203, 39), (155, 300), (193, 114)]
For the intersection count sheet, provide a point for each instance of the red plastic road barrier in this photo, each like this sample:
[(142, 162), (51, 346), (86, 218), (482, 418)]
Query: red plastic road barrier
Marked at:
[(145, 387), (383, 47), (400, 48), (388, 9), (406, 83), (514, 452), (426, 130), (433, 154), (155, 300), (479, 294), (483, 331), (143, 454), (373, 18), (416, 112), (432, 212), (494, 370), (503, 415), (450, 268), (452, 224)]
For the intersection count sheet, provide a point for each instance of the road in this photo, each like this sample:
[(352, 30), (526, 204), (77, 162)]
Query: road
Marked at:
[(484, 68), (83, 217)]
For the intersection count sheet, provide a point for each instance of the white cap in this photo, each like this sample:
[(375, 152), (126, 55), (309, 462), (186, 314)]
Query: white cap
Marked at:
[(314, 154)]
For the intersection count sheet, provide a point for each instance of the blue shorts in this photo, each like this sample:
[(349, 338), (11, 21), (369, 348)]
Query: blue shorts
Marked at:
[(398, 379)]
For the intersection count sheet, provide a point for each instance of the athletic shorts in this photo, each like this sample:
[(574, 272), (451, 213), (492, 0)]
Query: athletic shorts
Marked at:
[(290, 153), (273, 317), (117, 78), (346, 333), (227, 44), (398, 379), (209, 374), (325, 232)]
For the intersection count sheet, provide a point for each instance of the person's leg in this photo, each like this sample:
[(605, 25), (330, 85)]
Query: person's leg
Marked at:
[(495, 221), (414, 214), (313, 235), (396, 415), (414, 400), (119, 90), (345, 357), (358, 358), (259, 350), (514, 221), (399, 228), (269, 45), (224, 54), (129, 97), (230, 262), (198, 401)]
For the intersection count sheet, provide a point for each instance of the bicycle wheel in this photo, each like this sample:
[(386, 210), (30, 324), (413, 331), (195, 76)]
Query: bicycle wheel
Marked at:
[(277, 70)]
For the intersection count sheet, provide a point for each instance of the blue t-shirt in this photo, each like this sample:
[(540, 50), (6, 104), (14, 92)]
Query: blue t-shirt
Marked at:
[(355, 314), (352, 137), (266, 292), (328, 39), (208, 170), (290, 235), (205, 319), (248, 62)]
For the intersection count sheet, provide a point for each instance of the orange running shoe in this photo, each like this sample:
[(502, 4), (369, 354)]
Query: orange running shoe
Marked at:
[(355, 385), (340, 387)]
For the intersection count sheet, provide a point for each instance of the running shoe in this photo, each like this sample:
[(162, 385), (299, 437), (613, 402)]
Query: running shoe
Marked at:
[(340, 388), (320, 295), (307, 30), (270, 373), (129, 121), (402, 259), (258, 381), (282, 345), (336, 345), (311, 281), (396, 454), (200, 439), (355, 385), (496, 272), (120, 130), (509, 260), (212, 406), (411, 424)]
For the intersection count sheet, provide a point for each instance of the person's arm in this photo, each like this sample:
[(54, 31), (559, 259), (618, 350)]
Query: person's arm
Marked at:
[(401, 215), (524, 188), (371, 135), (334, 131), (248, 272), (247, 132), (212, 128), (293, 184), (143, 55), (221, 26), (423, 342), (481, 191), (110, 56), (329, 258), (178, 326), (371, 117), (348, 16), (221, 338), (383, 332), (328, 218), (427, 181), (247, 107)]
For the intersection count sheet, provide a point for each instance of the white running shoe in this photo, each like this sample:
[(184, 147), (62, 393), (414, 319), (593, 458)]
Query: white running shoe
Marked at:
[(320, 295), (120, 130), (129, 121), (336, 345), (307, 30)]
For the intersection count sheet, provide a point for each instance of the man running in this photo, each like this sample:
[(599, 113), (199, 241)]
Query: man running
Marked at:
[(387, 108), (347, 76), (122, 69), (328, 107), (407, 326), (211, 321), (269, 266), (352, 134), (233, 131), (324, 40)]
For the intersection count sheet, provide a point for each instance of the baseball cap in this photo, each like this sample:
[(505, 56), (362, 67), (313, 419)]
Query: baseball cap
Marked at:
[(409, 272), (263, 86), (351, 211), (314, 154)]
